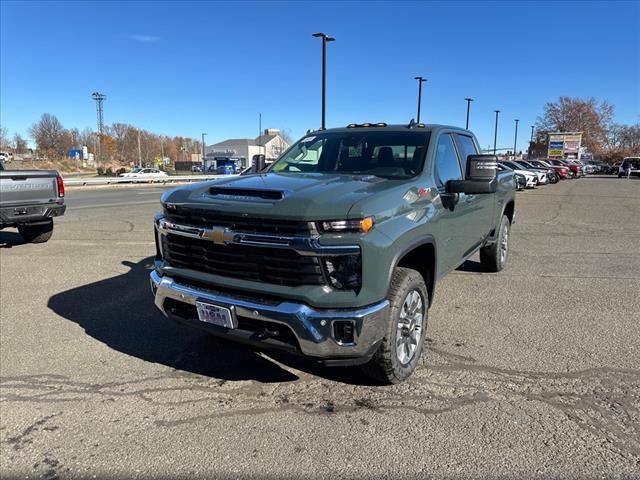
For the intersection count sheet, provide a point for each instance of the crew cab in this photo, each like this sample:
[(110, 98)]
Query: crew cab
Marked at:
[(29, 199), (334, 251)]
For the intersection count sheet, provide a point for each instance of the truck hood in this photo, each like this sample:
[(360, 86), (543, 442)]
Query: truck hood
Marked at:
[(300, 196)]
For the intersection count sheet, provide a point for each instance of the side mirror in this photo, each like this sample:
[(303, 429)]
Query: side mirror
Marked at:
[(259, 162), (480, 176)]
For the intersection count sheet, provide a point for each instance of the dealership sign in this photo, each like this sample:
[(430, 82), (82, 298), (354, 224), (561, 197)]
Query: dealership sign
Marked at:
[(564, 144)]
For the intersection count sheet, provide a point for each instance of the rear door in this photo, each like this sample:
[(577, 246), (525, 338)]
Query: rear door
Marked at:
[(27, 187)]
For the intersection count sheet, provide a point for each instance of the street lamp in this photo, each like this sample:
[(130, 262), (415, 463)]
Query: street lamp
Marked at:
[(202, 159), (420, 80), (515, 140), (469, 100), (495, 132), (531, 143), (325, 39)]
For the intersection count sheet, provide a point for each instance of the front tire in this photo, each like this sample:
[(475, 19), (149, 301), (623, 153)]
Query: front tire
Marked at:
[(38, 233), (494, 257), (400, 350)]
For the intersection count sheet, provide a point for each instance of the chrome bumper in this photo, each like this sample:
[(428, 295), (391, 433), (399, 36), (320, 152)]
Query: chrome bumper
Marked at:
[(312, 328)]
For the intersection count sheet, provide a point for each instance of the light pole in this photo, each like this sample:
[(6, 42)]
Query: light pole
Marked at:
[(202, 159), (420, 80), (495, 132), (515, 140), (531, 143), (325, 39), (469, 100)]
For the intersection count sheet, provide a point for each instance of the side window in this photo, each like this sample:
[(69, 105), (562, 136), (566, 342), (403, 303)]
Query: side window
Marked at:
[(447, 166), (466, 147)]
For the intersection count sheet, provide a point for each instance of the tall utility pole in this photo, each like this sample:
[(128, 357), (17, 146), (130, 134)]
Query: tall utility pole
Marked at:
[(515, 140), (202, 159), (99, 98), (260, 152), (495, 132), (469, 100), (139, 151), (420, 80), (531, 143), (325, 40)]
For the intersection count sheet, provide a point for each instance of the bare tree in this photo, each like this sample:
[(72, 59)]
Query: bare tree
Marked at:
[(49, 135), (4, 138), (19, 144), (588, 116)]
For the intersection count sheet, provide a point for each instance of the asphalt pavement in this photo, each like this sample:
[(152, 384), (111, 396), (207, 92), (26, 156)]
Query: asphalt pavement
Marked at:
[(532, 372)]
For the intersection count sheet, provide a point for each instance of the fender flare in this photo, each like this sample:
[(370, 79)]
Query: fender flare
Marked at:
[(418, 242)]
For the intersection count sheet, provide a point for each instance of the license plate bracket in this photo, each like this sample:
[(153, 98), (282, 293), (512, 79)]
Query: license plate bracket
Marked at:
[(216, 315)]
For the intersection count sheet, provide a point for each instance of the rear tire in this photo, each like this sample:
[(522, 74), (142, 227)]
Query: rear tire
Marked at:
[(39, 233), (494, 257), (400, 350)]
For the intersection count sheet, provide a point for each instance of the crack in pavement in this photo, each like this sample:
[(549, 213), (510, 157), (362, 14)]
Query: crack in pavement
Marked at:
[(602, 401)]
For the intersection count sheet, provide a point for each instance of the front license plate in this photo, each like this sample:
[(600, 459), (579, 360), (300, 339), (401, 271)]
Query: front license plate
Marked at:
[(215, 315)]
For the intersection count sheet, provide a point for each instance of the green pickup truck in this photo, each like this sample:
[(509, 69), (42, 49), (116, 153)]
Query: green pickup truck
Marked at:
[(333, 252)]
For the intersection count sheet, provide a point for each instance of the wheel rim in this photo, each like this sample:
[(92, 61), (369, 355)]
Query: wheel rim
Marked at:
[(504, 243), (410, 326)]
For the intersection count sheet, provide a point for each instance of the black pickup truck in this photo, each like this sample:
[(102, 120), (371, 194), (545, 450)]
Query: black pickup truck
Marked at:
[(29, 199)]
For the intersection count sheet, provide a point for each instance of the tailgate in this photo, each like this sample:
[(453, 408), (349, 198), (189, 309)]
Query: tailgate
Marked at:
[(27, 187)]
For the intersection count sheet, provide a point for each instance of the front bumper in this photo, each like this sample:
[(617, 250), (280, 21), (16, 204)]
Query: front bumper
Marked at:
[(313, 330), (18, 215)]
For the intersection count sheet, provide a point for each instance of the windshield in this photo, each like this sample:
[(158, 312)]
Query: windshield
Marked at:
[(136, 170), (633, 163), (512, 166), (383, 154)]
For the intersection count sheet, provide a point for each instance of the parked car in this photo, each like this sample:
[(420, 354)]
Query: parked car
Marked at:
[(561, 172), (520, 181), (29, 199), (6, 157), (630, 166), (146, 173), (552, 176), (196, 168), (575, 170), (540, 176), (334, 252), (530, 177)]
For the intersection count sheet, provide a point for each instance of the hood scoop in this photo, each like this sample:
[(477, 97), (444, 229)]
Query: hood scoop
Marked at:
[(245, 193)]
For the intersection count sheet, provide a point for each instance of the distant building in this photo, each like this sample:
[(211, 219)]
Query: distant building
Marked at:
[(242, 150)]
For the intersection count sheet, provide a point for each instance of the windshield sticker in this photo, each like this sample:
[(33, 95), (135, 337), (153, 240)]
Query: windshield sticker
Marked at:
[(307, 139)]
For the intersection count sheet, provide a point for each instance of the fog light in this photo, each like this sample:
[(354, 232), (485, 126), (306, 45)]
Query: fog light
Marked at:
[(344, 331)]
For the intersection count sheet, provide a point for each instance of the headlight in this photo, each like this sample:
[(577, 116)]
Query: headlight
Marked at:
[(344, 272), (364, 225)]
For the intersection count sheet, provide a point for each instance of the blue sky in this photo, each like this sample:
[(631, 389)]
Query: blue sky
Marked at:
[(181, 68)]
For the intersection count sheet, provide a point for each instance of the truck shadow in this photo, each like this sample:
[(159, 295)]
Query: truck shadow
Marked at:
[(10, 239), (120, 313)]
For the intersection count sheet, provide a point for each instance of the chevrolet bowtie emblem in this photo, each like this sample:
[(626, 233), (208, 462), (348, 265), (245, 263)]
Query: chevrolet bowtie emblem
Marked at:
[(218, 235)]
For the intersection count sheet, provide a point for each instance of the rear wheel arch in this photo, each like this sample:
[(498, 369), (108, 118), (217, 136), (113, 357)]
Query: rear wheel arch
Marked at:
[(509, 211)]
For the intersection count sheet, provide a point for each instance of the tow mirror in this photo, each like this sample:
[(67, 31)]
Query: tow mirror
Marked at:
[(480, 176), (259, 162)]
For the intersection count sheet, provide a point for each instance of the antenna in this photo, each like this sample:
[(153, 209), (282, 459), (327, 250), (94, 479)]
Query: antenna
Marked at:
[(412, 123)]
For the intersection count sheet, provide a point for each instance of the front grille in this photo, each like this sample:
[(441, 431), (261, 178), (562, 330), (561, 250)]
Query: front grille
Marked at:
[(261, 264), (204, 218)]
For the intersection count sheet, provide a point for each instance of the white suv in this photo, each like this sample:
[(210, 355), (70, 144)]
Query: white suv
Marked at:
[(629, 166)]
